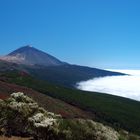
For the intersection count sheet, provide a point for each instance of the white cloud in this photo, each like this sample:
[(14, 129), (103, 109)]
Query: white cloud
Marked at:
[(125, 86)]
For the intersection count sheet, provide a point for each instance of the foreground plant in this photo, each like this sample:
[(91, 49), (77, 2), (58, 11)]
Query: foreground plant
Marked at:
[(22, 116)]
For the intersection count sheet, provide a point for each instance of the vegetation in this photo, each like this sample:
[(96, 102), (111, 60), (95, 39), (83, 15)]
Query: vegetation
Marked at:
[(112, 110), (67, 75), (49, 103), (21, 116)]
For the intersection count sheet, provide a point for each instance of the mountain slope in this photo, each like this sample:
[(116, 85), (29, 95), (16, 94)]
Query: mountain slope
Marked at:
[(68, 75), (47, 67), (65, 75), (30, 56), (51, 104), (118, 112)]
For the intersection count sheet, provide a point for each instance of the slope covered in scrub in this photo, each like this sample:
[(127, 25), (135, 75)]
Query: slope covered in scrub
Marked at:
[(22, 116), (51, 104), (114, 111)]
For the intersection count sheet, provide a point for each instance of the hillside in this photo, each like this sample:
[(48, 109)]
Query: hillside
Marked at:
[(68, 75), (108, 109), (22, 116), (51, 104), (65, 75)]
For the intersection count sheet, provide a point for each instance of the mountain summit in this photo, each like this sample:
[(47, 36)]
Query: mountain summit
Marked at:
[(30, 56)]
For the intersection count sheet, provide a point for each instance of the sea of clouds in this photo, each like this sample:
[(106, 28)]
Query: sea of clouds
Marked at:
[(125, 86)]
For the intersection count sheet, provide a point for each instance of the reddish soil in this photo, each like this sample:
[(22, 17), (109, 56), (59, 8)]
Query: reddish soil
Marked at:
[(49, 103)]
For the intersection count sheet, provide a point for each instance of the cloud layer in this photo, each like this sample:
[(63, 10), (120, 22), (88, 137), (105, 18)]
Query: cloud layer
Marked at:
[(125, 86)]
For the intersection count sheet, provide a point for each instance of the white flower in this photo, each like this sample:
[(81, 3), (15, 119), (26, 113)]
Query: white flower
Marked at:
[(40, 120), (17, 95)]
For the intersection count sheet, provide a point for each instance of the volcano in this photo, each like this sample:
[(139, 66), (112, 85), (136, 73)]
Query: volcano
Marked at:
[(31, 56)]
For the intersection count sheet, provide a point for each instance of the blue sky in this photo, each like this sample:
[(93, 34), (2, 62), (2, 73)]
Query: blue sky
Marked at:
[(97, 33)]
